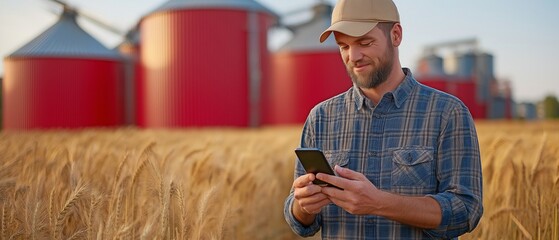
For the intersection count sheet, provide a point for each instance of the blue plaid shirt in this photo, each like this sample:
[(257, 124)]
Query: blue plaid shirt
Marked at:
[(416, 142)]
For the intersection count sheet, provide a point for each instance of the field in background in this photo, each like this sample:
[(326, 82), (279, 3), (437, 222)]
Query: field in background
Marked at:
[(229, 183)]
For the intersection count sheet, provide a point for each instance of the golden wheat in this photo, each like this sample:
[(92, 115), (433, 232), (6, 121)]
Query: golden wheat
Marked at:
[(520, 164), (229, 183)]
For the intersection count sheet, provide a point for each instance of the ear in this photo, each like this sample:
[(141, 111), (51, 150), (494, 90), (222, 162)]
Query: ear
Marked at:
[(396, 34)]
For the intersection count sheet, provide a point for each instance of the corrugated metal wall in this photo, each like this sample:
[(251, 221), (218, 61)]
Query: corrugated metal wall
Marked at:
[(300, 80), (463, 88), (196, 67), (62, 93), (305, 71)]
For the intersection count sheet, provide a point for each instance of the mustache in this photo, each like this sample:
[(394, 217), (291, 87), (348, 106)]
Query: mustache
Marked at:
[(359, 63)]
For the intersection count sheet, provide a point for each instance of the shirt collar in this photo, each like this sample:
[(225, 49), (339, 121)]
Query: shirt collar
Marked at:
[(358, 97), (400, 94), (404, 90)]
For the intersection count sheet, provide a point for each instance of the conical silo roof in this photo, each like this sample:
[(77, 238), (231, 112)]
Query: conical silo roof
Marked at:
[(65, 39), (306, 35), (250, 5), (132, 38)]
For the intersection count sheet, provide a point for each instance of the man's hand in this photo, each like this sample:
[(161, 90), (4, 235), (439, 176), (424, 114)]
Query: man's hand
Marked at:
[(309, 199), (359, 197)]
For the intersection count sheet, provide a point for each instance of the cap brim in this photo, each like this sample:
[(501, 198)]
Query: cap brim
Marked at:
[(354, 29)]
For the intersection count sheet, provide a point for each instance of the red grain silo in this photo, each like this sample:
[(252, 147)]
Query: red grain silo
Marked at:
[(203, 63), (463, 88), (63, 78), (304, 72)]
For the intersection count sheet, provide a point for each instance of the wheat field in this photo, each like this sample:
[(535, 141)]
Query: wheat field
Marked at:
[(227, 183)]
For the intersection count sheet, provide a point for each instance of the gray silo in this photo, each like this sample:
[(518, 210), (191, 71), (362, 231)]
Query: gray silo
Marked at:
[(484, 75), (466, 64), (432, 65)]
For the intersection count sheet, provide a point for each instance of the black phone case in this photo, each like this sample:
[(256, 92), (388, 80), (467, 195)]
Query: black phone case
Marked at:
[(314, 161)]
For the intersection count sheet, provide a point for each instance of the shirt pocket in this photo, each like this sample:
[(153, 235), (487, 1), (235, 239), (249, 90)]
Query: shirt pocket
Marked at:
[(413, 168)]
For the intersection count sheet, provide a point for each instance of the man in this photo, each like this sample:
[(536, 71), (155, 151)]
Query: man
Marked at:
[(406, 155)]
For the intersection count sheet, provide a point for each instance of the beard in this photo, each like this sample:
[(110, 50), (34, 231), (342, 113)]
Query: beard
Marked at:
[(378, 75)]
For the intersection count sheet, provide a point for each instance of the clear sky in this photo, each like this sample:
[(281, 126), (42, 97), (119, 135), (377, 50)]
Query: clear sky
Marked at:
[(522, 35)]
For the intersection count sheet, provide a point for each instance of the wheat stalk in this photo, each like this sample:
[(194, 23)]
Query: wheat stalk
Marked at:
[(145, 157), (70, 202), (555, 228), (34, 227), (539, 153), (78, 234), (177, 191), (119, 171), (521, 227), (117, 212), (4, 222), (201, 214), (52, 222), (93, 204)]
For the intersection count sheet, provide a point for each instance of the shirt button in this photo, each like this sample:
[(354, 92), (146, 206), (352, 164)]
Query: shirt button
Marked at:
[(370, 221)]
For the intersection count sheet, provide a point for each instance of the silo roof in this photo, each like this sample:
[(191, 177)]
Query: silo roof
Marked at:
[(132, 37), (250, 5), (306, 35), (65, 39)]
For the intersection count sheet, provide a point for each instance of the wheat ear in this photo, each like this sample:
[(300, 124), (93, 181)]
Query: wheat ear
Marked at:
[(4, 222), (74, 197)]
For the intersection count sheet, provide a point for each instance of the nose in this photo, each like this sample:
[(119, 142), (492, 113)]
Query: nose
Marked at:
[(354, 54)]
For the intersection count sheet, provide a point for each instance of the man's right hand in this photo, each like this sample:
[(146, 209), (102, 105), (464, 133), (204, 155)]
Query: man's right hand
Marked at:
[(309, 199)]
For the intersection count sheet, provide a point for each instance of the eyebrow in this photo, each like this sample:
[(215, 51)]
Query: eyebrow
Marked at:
[(364, 38)]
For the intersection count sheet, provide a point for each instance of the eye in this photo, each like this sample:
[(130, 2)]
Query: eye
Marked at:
[(343, 46), (366, 43)]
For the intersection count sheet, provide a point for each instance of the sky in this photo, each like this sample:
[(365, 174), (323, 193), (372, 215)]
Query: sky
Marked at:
[(522, 35)]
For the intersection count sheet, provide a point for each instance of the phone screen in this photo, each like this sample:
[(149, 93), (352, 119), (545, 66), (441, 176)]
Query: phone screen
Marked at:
[(314, 161)]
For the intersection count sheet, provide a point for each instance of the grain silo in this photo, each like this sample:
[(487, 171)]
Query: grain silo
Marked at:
[(203, 63), (304, 72), (466, 64), (485, 76), (431, 65), (63, 78)]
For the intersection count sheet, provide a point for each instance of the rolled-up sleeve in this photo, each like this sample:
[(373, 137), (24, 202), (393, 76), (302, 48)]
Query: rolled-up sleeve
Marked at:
[(459, 175)]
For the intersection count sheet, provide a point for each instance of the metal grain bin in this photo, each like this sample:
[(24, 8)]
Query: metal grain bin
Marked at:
[(305, 72), (431, 65), (203, 63), (63, 78)]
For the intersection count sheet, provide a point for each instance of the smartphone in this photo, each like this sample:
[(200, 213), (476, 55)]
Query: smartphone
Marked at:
[(314, 161)]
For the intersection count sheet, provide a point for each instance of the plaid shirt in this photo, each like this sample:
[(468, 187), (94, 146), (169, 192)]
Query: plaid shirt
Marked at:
[(416, 142)]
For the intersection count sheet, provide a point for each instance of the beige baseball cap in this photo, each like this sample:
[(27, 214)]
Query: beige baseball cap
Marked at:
[(357, 17)]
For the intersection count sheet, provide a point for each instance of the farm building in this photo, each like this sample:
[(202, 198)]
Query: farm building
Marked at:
[(304, 72), (182, 67), (198, 71), (63, 78), (469, 75)]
